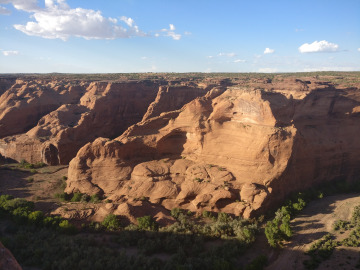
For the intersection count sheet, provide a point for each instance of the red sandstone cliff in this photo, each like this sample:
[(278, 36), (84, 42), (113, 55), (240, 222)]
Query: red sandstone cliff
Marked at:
[(234, 152), (235, 149), (105, 110)]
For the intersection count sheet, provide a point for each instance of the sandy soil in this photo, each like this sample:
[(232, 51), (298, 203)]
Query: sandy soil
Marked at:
[(315, 221), (39, 187)]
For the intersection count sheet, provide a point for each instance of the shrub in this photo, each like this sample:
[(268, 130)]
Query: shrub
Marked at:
[(341, 225), (52, 221), (354, 238), (62, 196), (77, 197), (20, 214), (111, 222), (355, 219), (175, 212), (66, 227), (223, 217), (319, 251), (12, 204), (95, 198), (272, 233), (147, 223), (36, 217)]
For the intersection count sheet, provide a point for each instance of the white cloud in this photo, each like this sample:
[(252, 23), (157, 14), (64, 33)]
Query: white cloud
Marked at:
[(319, 46), (8, 53), (210, 56), (130, 22), (187, 33), (358, 49), (239, 61), (267, 70), (25, 5), (231, 54), (58, 20), (170, 33), (4, 11), (268, 51)]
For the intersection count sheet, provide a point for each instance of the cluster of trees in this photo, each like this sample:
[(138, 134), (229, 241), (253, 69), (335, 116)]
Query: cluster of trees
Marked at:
[(190, 243), (40, 241), (278, 229), (22, 212), (78, 197)]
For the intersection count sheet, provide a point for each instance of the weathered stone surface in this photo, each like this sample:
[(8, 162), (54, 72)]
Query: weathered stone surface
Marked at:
[(7, 260), (235, 146), (235, 151), (105, 110)]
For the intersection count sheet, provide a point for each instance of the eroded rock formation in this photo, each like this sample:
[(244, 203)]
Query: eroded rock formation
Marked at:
[(105, 109), (232, 145), (234, 151)]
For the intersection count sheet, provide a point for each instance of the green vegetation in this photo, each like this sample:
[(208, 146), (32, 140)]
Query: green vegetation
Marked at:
[(78, 197), (111, 223), (323, 248), (320, 250), (26, 165), (50, 242), (278, 229), (147, 223), (22, 212)]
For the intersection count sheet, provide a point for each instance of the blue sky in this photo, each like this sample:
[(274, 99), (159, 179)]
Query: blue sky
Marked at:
[(87, 36)]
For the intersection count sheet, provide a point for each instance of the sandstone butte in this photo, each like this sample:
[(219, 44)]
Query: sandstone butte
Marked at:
[(235, 146)]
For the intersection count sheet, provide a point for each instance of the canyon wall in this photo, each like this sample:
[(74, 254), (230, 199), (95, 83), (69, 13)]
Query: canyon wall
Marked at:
[(59, 129), (236, 151), (234, 145)]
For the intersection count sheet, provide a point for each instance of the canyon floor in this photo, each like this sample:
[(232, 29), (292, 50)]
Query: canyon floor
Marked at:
[(315, 221)]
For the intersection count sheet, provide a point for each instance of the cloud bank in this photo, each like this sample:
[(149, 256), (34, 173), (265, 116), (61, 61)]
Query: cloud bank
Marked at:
[(58, 20), (319, 46)]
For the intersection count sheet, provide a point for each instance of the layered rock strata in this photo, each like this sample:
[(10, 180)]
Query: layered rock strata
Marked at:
[(105, 109), (235, 151)]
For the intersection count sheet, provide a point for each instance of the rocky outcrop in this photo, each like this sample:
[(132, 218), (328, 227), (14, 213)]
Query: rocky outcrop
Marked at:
[(7, 260), (236, 145), (22, 105), (236, 151), (171, 98), (105, 110)]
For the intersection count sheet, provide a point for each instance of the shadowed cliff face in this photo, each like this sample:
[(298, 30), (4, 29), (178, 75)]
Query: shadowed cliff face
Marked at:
[(236, 151), (25, 102), (64, 125)]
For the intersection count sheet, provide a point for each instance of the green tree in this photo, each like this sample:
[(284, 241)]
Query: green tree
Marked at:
[(147, 223), (111, 222)]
